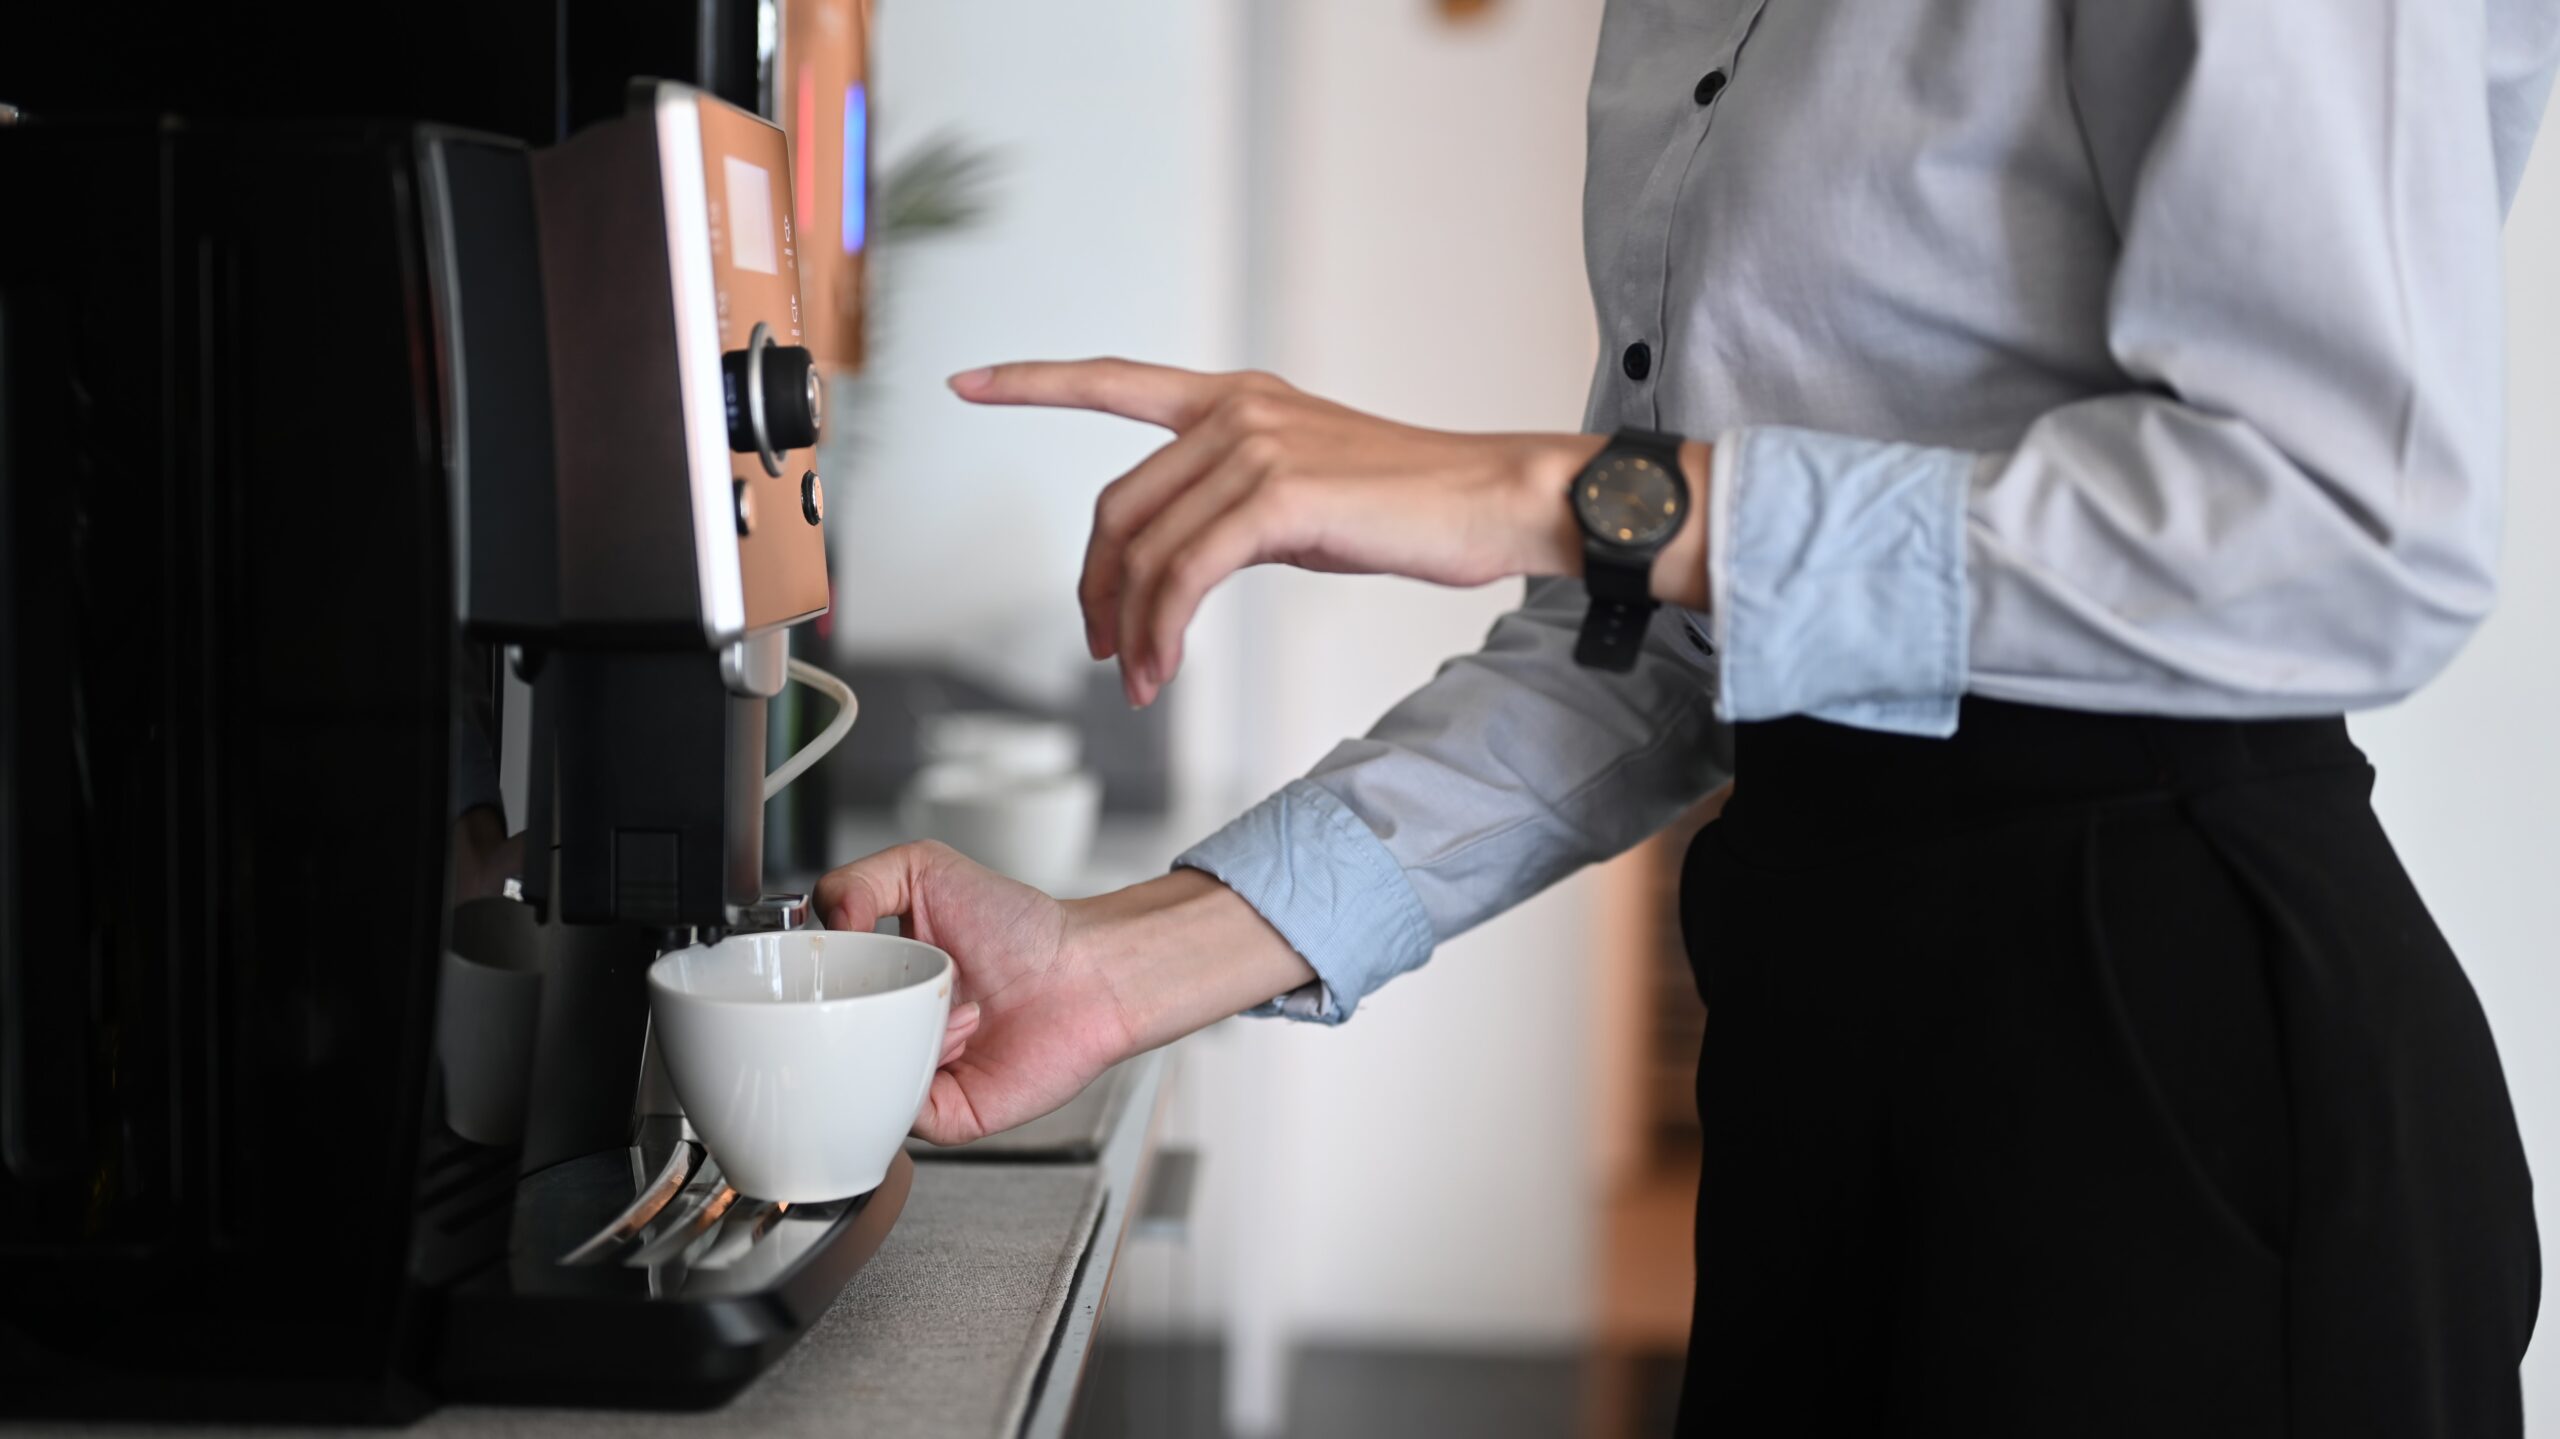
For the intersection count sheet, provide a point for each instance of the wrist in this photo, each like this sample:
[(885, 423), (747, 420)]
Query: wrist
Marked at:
[(1680, 570), (1178, 953), (1543, 471)]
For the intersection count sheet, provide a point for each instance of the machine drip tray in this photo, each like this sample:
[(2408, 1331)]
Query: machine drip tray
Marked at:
[(638, 1278)]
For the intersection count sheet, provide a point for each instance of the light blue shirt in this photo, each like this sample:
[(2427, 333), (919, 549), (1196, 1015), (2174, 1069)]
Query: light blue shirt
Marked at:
[(2137, 357)]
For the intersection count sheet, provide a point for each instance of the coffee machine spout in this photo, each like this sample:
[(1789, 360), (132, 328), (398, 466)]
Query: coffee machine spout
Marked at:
[(772, 912)]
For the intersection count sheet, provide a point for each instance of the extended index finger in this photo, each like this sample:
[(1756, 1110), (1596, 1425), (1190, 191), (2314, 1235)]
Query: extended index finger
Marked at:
[(1156, 394)]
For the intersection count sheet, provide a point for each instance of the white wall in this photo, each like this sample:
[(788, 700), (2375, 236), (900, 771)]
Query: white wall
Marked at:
[(1420, 1176), (2470, 769), (1429, 266), (1114, 231)]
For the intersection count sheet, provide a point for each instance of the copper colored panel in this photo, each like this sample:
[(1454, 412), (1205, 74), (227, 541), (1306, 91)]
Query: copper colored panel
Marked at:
[(756, 248), (824, 102)]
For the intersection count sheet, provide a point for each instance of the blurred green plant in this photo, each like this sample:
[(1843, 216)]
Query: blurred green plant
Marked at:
[(942, 185)]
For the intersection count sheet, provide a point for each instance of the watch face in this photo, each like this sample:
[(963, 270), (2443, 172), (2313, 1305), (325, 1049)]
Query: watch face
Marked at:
[(1630, 500)]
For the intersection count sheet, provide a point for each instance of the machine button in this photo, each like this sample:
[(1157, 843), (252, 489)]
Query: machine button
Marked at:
[(746, 501), (813, 499)]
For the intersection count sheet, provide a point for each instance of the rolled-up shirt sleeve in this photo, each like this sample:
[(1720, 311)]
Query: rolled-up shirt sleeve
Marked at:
[(1510, 769), (2291, 508)]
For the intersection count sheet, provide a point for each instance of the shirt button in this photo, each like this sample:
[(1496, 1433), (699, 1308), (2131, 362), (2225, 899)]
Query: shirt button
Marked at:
[(1710, 87), (1638, 361)]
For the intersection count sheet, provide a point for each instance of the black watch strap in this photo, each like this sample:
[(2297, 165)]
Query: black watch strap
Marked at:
[(1664, 445), (1612, 636), (1622, 602)]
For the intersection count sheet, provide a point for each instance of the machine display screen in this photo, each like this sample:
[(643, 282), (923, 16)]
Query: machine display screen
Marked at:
[(750, 216)]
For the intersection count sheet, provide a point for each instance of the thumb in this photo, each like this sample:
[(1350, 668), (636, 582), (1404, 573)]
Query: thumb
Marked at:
[(859, 895)]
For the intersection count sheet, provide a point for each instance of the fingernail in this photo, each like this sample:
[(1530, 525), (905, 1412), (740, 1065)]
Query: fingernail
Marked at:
[(965, 1014), (969, 382)]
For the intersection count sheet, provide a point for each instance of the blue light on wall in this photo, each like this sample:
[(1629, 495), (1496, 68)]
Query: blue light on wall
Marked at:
[(857, 168)]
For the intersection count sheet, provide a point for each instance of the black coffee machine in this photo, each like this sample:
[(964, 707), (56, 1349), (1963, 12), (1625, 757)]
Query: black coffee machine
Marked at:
[(343, 463)]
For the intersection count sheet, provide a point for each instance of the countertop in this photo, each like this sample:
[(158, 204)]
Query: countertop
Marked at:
[(976, 1316)]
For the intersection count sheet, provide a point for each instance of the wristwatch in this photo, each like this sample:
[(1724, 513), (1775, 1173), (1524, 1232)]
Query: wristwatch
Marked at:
[(1630, 500)]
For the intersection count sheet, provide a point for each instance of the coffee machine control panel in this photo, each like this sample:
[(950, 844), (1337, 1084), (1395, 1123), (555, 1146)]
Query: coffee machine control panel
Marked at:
[(687, 404), (772, 396)]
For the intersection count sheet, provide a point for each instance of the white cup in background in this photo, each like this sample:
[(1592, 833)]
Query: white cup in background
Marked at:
[(802, 1056), (1037, 828), (1004, 743), (488, 1012)]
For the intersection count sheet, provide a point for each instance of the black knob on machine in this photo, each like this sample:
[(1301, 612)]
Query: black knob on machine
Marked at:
[(774, 398), (791, 397)]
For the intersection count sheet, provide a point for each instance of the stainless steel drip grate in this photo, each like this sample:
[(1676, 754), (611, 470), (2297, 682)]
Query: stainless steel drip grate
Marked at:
[(683, 1214)]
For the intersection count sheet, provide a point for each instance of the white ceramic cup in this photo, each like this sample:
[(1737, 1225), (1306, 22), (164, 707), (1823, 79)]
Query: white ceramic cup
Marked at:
[(802, 1056), (1038, 829), (488, 1015), (1005, 743)]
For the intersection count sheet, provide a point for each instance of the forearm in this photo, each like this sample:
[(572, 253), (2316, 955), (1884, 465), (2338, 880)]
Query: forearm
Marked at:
[(1186, 951), (1180, 953)]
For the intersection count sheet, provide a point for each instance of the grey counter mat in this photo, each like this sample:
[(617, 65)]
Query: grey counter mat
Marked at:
[(1073, 1132), (941, 1334)]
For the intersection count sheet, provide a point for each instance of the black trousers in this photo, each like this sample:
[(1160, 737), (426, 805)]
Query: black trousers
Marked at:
[(2090, 1075)]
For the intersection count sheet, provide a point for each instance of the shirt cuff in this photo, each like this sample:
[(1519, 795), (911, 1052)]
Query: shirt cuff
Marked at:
[(1837, 571), (1316, 872)]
